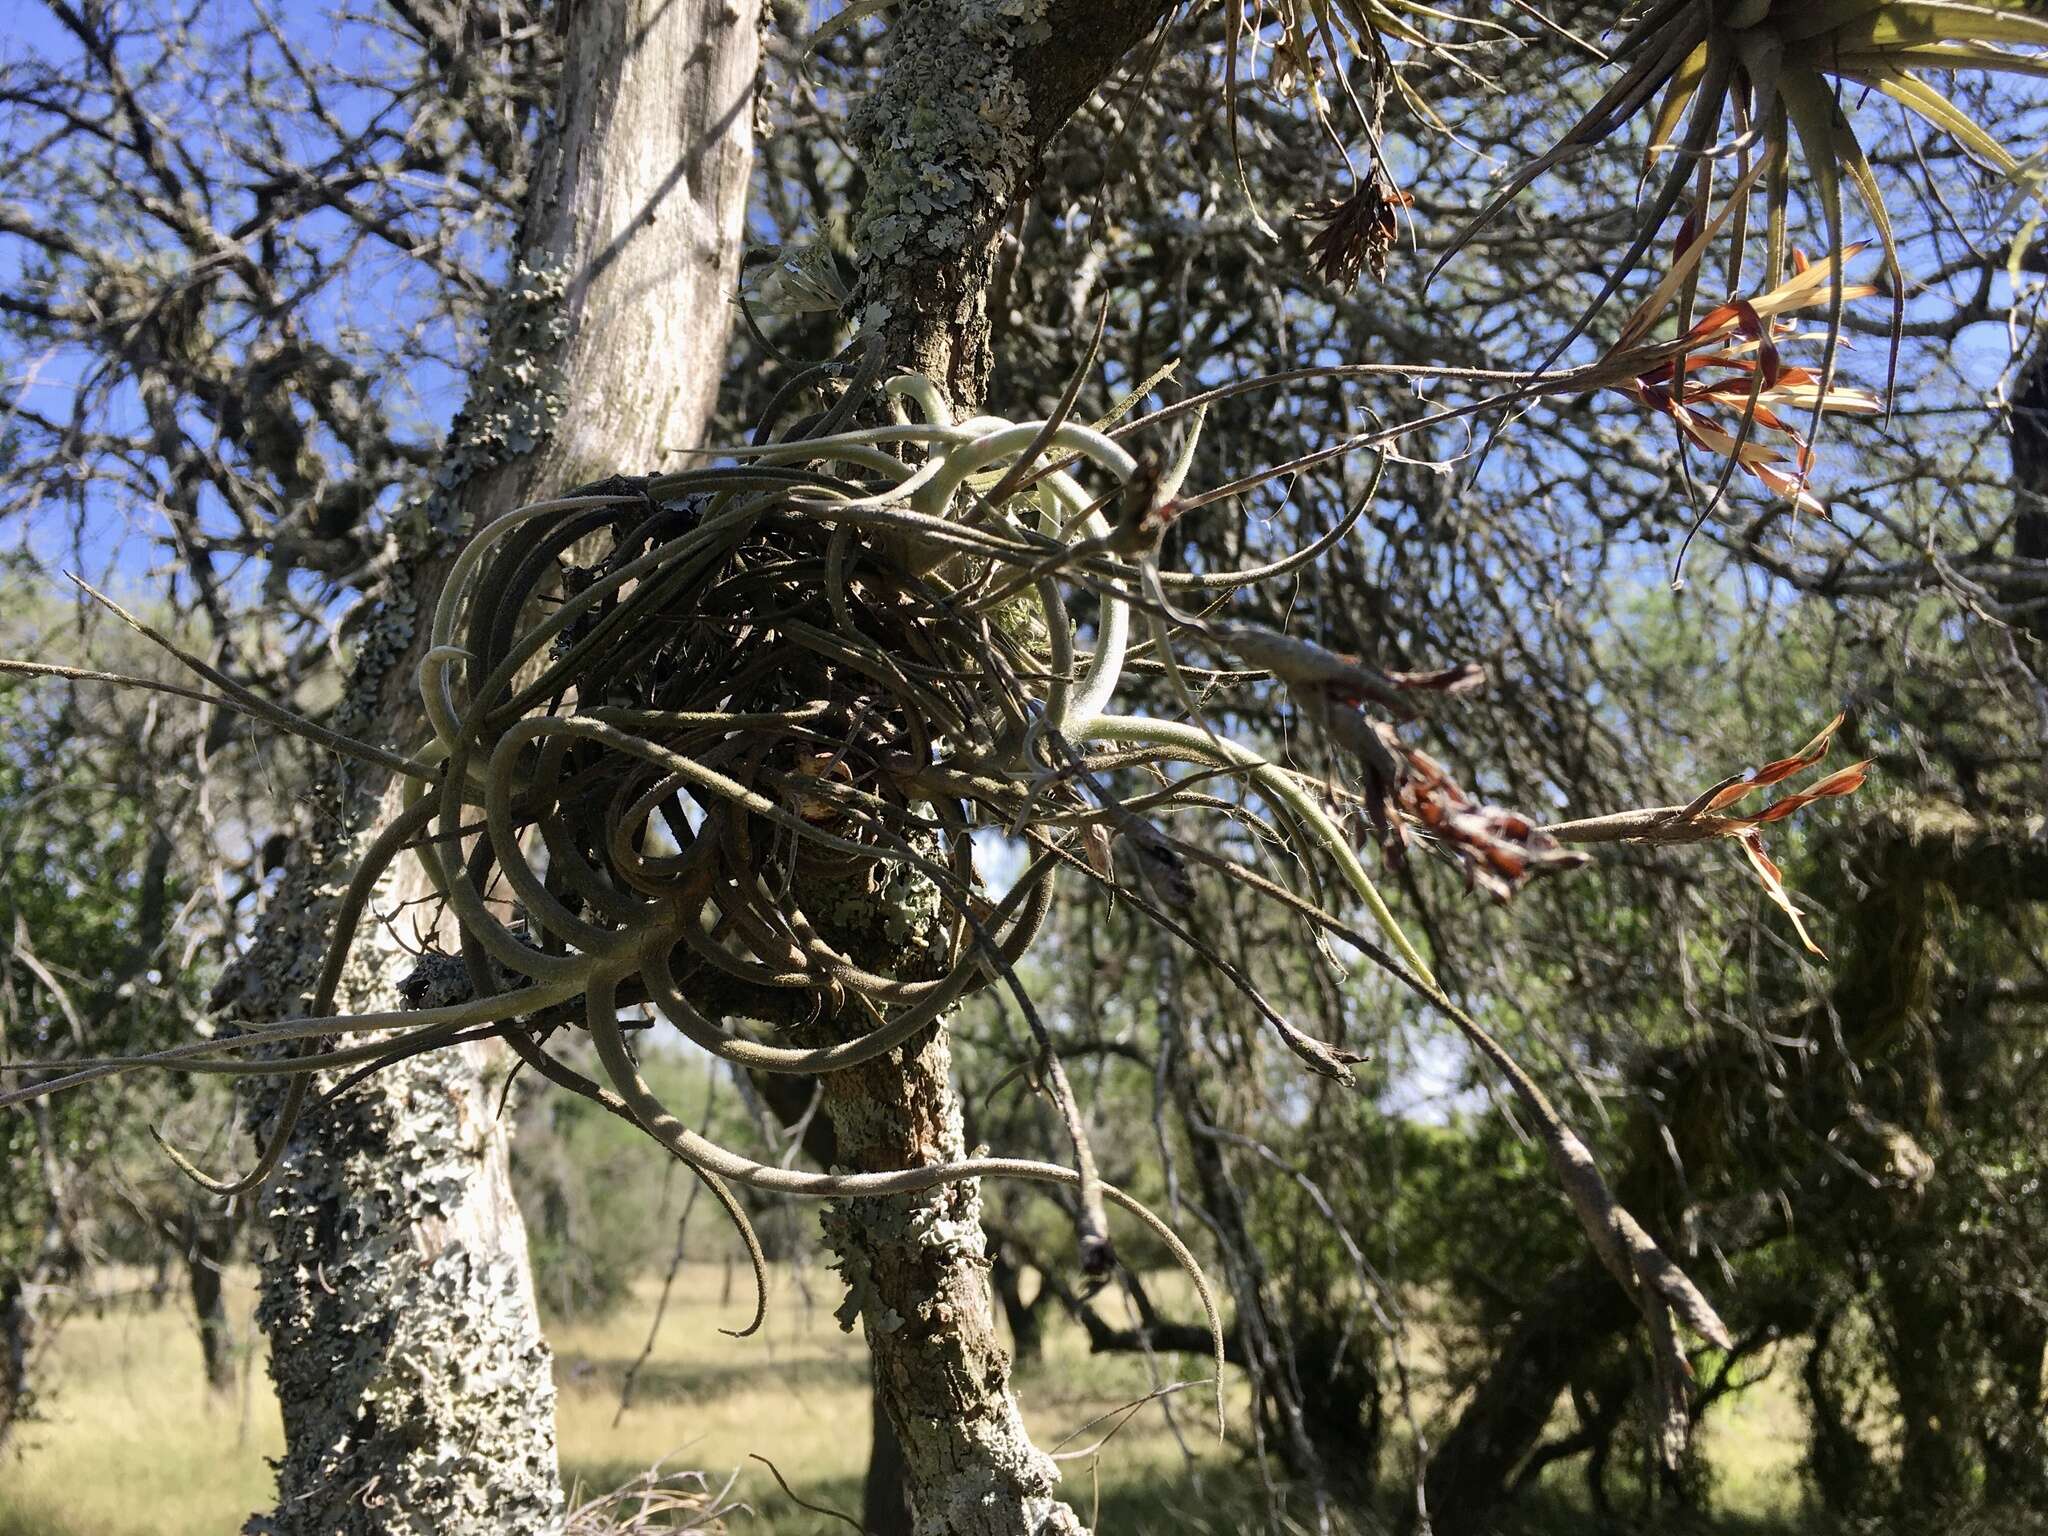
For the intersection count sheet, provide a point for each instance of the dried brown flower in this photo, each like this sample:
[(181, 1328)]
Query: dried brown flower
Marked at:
[(1501, 850), (1358, 231)]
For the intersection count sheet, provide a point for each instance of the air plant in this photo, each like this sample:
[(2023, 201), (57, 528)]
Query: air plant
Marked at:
[(1772, 70), (1728, 362), (1744, 828), (1403, 789), (1312, 34), (1708, 816), (1499, 849), (781, 665)]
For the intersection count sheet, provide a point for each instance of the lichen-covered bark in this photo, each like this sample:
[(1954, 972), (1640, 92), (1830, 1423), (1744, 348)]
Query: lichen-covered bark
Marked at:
[(915, 1266), (409, 1365), (916, 1276), (408, 1358), (970, 92)]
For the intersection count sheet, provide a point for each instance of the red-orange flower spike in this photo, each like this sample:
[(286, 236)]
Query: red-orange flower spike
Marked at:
[(1773, 772), (1678, 379), (1713, 804)]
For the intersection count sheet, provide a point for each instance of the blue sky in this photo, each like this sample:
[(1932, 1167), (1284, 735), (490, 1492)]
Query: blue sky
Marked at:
[(370, 300)]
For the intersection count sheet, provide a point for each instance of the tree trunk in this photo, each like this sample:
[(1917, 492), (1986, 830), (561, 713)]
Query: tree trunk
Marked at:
[(17, 1335), (1027, 1329), (206, 1241), (884, 1494), (2016, 1333), (970, 92), (914, 1267), (1470, 1474), (1836, 1456), (1269, 1352), (404, 1344), (1933, 1367)]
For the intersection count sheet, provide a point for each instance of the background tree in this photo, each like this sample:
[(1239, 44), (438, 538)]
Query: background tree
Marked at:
[(101, 907), (262, 400)]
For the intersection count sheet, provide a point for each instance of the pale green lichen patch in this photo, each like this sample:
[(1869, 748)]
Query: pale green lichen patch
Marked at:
[(516, 397), (945, 138), (421, 1358), (415, 1383)]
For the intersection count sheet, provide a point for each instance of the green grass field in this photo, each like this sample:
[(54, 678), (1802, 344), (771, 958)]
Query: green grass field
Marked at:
[(129, 1442)]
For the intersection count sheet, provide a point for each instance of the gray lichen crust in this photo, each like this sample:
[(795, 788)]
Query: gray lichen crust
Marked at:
[(415, 1383), (946, 135), (516, 396), (404, 1344), (945, 141), (916, 1266), (424, 1349)]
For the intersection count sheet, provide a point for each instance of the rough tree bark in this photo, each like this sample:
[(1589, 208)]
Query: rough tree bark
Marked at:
[(396, 1296), (970, 92), (884, 1501)]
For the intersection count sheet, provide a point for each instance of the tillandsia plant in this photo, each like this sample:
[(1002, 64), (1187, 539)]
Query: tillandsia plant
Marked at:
[(1740, 80), (1725, 89), (705, 744), (1709, 815), (1728, 364)]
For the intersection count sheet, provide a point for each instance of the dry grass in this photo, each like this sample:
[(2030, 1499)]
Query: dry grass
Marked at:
[(131, 1445), (130, 1440), (797, 1393)]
